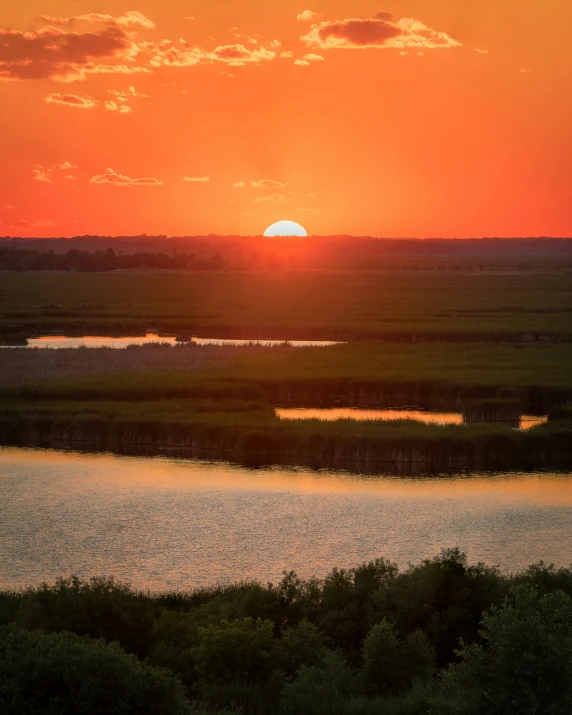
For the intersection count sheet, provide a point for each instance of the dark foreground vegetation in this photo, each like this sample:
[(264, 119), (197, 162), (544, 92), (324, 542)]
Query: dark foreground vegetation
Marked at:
[(443, 637)]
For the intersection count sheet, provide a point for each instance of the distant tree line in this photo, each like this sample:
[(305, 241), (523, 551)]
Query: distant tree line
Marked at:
[(22, 259)]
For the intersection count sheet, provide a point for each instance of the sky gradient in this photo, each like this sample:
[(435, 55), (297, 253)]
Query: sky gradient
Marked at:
[(405, 118)]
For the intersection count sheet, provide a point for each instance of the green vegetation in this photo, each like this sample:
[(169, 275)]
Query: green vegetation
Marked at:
[(250, 433), (219, 402), (398, 306), (440, 638)]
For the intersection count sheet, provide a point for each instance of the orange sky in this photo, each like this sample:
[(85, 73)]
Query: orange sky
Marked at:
[(413, 118)]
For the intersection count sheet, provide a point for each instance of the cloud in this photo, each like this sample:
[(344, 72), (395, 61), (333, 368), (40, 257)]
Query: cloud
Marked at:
[(126, 20), (267, 184), (71, 100), (197, 179), (308, 212), (61, 54), (126, 94), (286, 55), (112, 177), (308, 59), (42, 174), (72, 48), (7, 207), (239, 185), (525, 71), (171, 54), (387, 16), (46, 173), (272, 199), (27, 225), (116, 107), (307, 16), (359, 33), (482, 52)]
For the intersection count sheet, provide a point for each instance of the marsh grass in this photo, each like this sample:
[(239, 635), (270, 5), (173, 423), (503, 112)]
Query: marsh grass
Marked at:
[(429, 305)]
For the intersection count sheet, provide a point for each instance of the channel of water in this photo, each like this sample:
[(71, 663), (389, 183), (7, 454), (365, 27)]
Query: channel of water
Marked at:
[(163, 523)]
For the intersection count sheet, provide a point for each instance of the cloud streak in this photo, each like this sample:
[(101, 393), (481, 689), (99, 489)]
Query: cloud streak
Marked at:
[(197, 179), (307, 60), (71, 100), (272, 199), (377, 33), (268, 184), (110, 176), (180, 54)]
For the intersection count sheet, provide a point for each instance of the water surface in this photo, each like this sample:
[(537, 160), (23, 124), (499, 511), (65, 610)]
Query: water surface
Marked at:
[(164, 523), (354, 413), (94, 341)]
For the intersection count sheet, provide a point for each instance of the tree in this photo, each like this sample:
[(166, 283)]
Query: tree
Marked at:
[(391, 665), (235, 650), (319, 689), (524, 666), (65, 674)]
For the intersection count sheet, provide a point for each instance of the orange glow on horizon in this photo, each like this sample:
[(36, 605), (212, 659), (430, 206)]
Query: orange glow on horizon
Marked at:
[(431, 118)]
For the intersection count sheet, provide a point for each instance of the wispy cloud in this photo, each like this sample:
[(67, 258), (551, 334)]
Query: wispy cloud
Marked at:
[(268, 184), (308, 59), (112, 106), (71, 100), (28, 225), (272, 199), (197, 179), (110, 176)]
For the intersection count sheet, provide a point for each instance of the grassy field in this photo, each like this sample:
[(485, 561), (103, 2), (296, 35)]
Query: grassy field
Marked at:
[(392, 305)]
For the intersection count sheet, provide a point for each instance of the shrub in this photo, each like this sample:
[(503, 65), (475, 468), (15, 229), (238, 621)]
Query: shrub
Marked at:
[(525, 664), (391, 665), (239, 650), (319, 689), (65, 674)]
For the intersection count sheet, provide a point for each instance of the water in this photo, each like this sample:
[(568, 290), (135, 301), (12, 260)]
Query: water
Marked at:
[(165, 523), (94, 341), (354, 413)]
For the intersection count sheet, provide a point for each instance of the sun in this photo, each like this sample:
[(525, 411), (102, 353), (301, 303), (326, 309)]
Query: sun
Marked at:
[(285, 228)]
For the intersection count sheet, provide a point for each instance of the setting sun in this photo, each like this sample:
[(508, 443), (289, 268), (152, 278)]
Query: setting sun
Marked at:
[(285, 228)]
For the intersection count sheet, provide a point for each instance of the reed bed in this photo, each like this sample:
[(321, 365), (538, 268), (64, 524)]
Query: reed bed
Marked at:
[(249, 431)]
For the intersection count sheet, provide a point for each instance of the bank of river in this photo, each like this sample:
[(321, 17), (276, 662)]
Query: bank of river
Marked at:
[(164, 523)]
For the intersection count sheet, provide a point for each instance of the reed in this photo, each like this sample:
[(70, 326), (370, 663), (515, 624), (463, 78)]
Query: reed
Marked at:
[(249, 432)]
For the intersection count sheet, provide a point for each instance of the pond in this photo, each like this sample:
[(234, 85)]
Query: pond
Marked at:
[(94, 341), (354, 413), (164, 523)]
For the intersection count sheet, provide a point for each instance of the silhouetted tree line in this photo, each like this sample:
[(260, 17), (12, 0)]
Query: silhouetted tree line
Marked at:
[(17, 259), (362, 641)]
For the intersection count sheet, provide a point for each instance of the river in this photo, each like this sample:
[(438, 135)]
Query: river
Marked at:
[(163, 523)]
